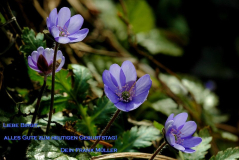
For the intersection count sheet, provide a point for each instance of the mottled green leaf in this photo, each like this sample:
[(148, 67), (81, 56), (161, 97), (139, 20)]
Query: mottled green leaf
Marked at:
[(83, 156), (47, 149)]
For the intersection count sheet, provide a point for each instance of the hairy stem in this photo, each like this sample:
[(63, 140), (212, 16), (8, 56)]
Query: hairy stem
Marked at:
[(157, 151), (107, 127), (52, 87), (37, 106)]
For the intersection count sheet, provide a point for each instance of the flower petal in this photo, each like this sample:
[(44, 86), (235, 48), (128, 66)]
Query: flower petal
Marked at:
[(34, 57), (122, 78), (191, 142), (129, 71), (62, 40), (51, 21), (29, 59), (108, 81), (63, 16), (115, 72), (143, 84), (121, 106), (136, 102), (61, 65), (178, 147), (111, 95), (180, 119), (170, 117), (141, 97), (168, 125), (171, 139), (55, 32), (48, 54), (75, 24), (59, 55), (188, 150), (40, 50), (188, 129), (79, 35), (32, 65)]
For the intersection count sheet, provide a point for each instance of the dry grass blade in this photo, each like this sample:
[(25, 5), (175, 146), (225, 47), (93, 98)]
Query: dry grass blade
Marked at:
[(130, 155)]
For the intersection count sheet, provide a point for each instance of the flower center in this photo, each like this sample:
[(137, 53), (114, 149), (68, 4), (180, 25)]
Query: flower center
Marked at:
[(63, 31), (126, 93), (125, 96), (177, 135)]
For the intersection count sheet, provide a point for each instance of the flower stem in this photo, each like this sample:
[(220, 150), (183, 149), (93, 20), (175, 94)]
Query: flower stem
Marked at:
[(37, 106), (52, 87), (107, 127), (157, 151)]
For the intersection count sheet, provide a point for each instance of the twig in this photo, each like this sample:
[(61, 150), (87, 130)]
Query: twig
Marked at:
[(40, 10), (228, 128), (85, 48), (130, 155)]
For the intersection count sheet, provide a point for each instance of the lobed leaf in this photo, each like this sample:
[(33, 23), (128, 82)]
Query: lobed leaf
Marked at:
[(31, 41), (228, 154), (136, 138)]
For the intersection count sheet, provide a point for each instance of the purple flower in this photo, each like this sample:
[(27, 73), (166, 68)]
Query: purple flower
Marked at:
[(179, 133), (64, 28), (122, 89), (42, 60)]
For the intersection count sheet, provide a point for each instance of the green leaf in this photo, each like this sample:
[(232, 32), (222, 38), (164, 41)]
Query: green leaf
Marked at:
[(31, 41), (140, 15), (158, 126), (62, 79), (104, 110), (229, 154), (86, 126), (81, 75), (47, 149), (83, 156), (60, 103), (136, 138), (201, 149)]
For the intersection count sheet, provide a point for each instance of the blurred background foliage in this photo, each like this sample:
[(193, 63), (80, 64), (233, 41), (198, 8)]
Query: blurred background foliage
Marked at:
[(189, 48)]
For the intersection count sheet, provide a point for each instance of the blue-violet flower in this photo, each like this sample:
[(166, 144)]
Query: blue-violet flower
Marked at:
[(42, 60), (179, 133), (64, 28), (122, 89)]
